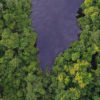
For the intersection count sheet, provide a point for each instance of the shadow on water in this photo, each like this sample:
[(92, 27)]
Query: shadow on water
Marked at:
[(56, 25)]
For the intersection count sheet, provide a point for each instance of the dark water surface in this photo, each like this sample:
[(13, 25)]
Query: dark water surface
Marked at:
[(56, 26)]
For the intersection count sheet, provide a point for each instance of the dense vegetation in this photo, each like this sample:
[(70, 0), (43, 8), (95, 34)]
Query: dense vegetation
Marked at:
[(19, 69), (77, 71), (75, 74)]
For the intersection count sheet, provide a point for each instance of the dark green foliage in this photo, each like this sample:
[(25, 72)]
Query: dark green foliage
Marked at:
[(77, 70), (19, 69), (75, 74)]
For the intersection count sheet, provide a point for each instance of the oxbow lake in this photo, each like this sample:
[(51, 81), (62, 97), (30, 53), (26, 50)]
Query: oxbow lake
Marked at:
[(56, 25)]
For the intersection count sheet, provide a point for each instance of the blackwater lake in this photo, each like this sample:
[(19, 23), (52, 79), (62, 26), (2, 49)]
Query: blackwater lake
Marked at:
[(56, 25)]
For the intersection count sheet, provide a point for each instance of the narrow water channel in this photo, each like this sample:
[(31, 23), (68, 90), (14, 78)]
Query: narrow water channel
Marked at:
[(56, 25)]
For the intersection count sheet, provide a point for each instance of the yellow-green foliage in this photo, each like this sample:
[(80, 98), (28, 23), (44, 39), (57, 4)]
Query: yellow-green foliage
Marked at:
[(19, 70), (75, 74), (78, 68)]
